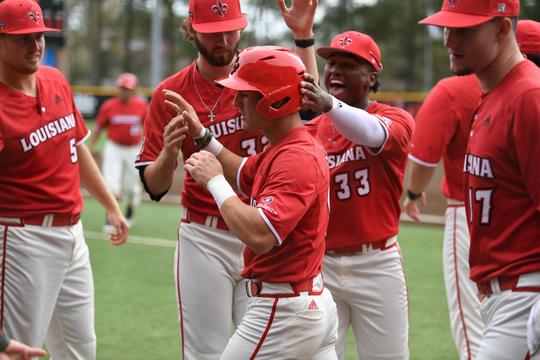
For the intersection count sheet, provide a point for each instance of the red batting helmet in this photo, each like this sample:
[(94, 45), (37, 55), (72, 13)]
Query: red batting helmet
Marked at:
[(274, 72)]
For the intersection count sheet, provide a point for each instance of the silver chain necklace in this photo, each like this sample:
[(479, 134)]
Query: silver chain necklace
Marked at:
[(211, 115)]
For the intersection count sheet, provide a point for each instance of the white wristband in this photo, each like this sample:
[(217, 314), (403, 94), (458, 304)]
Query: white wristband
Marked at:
[(214, 146), (220, 189)]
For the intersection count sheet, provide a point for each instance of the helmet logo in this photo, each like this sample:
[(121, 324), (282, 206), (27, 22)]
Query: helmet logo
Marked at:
[(452, 3), (220, 9), (345, 41), (2, 25), (34, 16), (501, 8)]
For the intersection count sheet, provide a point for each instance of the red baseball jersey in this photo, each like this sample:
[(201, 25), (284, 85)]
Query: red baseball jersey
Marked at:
[(502, 177), (38, 155), (288, 184), (442, 129), (365, 184), (124, 121), (226, 127)]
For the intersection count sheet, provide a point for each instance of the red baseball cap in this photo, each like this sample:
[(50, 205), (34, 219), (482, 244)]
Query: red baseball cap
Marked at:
[(528, 36), (211, 16), (127, 81), (21, 17), (355, 43), (467, 13)]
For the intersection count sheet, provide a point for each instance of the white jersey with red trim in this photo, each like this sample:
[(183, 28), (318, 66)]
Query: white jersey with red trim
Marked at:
[(226, 126), (365, 182), (294, 205), (38, 155)]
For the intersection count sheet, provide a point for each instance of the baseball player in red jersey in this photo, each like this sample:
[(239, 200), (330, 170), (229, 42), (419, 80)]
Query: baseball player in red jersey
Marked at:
[(46, 279), (123, 117), (367, 145), (442, 130), (502, 177), (290, 314), (206, 247)]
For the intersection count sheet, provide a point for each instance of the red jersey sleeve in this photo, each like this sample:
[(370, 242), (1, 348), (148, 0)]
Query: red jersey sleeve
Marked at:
[(399, 128), (246, 174), (288, 193), (525, 135), (436, 124)]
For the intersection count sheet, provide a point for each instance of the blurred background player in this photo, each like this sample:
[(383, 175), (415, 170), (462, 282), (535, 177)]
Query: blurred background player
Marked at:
[(290, 314), (502, 177), (206, 247), (123, 117), (442, 130), (528, 38), (47, 286), (366, 143)]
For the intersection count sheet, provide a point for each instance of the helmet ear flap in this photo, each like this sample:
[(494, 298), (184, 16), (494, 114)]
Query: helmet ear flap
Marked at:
[(282, 102)]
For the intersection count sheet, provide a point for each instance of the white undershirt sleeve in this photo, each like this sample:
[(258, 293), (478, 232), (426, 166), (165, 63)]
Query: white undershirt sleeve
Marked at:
[(357, 125)]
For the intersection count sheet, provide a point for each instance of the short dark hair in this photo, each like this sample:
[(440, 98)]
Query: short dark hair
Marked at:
[(535, 58)]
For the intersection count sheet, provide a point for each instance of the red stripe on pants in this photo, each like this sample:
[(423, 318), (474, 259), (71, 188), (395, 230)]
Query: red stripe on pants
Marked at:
[(263, 337)]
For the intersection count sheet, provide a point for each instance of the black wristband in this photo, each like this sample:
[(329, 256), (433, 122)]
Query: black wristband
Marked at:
[(202, 142), (413, 196), (304, 43), (4, 342)]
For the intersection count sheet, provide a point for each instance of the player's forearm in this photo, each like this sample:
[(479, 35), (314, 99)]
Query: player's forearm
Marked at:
[(158, 176), (420, 177), (92, 180), (230, 163), (246, 223), (356, 124), (94, 138), (307, 55)]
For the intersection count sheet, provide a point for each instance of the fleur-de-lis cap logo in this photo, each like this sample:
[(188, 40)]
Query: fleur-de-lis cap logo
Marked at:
[(220, 8), (344, 41), (452, 3), (34, 15)]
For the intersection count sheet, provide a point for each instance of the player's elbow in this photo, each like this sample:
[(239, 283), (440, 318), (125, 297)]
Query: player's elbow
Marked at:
[(261, 244)]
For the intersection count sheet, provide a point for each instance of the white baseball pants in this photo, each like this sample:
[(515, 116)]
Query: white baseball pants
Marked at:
[(210, 292), (120, 173), (505, 315), (302, 327), (370, 292), (47, 286), (461, 292)]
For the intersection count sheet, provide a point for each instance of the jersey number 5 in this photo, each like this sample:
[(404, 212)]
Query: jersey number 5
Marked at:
[(73, 150), (361, 177), (483, 197)]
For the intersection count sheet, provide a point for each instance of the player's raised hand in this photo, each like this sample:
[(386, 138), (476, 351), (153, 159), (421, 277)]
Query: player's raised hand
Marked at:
[(120, 228), (412, 207), (314, 97), (299, 17), (203, 166), (177, 103), (20, 351), (174, 134)]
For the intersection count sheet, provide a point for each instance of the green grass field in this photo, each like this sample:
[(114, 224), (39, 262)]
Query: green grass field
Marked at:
[(136, 314)]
